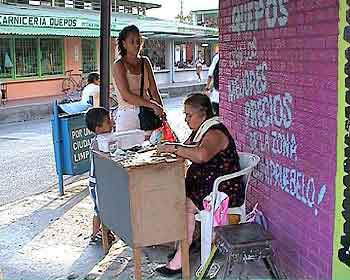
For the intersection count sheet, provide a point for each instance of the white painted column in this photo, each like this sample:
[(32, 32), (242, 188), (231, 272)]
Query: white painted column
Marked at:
[(171, 54), (195, 51)]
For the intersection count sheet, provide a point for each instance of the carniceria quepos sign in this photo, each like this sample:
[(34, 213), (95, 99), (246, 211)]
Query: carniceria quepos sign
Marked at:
[(46, 21)]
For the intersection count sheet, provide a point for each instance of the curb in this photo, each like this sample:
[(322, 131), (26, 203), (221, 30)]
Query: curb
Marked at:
[(43, 110)]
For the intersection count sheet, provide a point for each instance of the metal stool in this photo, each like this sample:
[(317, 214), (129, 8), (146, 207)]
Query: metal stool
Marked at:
[(244, 242)]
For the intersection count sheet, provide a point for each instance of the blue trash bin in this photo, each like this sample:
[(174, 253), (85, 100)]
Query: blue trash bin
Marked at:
[(71, 139)]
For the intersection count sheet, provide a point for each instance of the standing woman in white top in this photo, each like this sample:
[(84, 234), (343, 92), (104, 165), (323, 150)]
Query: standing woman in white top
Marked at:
[(127, 81)]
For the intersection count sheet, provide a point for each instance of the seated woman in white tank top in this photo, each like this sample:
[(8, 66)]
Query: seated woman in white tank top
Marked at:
[(127, 81)]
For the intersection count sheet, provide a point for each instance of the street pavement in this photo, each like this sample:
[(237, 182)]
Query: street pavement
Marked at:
[(46, 237), (27, 157)]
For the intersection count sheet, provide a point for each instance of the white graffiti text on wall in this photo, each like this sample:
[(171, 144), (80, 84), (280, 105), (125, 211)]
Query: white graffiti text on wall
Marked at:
[(269, 111), (252, 82), (243, 54), (247, 16), (294, 182), (276, 142), (269, 115)]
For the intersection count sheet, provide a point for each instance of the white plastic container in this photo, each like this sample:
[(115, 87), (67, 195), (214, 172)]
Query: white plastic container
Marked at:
[(129, 138), (105, 141), (109, 142)]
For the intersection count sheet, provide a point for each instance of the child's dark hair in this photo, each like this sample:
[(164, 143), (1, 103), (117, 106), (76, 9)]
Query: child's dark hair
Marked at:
[(122, 37), (95, 117), (92, 77)]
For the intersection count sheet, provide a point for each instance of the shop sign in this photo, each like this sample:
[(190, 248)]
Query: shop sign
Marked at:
[(46, 21)]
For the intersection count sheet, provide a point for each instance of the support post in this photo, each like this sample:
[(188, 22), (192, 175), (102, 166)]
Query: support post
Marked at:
[(57, 146), (172, 66), (105, 37)]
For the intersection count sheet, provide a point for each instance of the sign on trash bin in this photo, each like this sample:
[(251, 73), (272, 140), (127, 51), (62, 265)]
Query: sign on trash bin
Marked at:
[(71, 139)]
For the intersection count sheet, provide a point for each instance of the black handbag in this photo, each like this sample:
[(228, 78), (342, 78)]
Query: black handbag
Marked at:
[(148, 119)]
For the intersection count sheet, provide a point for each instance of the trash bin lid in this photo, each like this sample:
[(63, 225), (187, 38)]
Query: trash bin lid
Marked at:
[(74, 107)]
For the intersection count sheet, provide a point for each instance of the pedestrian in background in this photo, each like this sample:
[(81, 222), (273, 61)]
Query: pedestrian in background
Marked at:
[(91, 92), (212, 86), (199, 68)]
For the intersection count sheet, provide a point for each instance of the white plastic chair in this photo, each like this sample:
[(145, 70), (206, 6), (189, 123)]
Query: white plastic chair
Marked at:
[(247, 163)]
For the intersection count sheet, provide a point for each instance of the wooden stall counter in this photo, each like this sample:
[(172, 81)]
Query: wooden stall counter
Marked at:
[(142, 199)]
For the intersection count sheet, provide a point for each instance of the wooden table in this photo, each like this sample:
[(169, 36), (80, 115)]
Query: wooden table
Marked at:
[(142, 199)]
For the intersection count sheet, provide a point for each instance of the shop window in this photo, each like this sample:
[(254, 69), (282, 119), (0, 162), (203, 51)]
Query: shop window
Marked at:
[(79, 4), (34, 2), (26, 50), (46, 3), (51, 56), (96, 5), (184, 55), (69, 3), (59, 3), (6, 64), (88, 48), (204, 52), (156, 51)]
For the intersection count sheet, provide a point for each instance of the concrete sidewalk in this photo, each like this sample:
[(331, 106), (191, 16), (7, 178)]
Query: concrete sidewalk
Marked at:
[(39, 108), (47, 237)]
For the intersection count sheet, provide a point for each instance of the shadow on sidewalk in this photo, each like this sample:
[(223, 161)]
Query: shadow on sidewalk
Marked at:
[(21, 231)]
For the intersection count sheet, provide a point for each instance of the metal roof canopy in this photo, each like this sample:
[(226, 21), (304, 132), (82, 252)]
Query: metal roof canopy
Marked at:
[(147, 5), (88, 23), (177, 36)]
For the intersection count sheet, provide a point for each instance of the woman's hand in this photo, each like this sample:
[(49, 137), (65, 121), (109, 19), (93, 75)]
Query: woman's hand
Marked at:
[(166, 148), (158, 109)]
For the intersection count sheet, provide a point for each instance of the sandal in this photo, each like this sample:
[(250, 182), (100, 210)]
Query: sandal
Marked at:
[(95, 240), (111, 237), (99, 235)]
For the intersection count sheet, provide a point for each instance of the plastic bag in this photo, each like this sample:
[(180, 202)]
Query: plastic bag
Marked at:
[(163, 134), (168, 134), (257, 216)]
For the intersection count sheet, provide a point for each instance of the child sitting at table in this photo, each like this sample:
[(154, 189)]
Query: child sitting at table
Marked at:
[(98, 121)]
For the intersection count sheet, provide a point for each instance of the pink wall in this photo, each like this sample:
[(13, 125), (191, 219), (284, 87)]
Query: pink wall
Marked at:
[(278, 84)]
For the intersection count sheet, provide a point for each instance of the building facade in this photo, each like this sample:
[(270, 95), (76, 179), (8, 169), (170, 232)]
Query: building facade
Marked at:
[(40, 40), (206, 18)]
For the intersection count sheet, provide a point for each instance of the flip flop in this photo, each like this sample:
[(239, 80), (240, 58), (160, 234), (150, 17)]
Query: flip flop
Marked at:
[(95, 240)]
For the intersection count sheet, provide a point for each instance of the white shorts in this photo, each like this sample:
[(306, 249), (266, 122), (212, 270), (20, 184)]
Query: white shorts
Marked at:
[(127, 119)]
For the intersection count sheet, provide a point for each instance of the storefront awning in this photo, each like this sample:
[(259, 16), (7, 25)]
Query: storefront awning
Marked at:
[(24, 30), (29, 20)]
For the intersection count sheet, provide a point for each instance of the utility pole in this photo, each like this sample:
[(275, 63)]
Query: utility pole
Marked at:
[(181, 8), (180, 16), (105, 38)]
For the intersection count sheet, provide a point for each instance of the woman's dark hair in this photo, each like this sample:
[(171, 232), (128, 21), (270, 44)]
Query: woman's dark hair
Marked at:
[(200, 102), (93, 76), (123, 34), (95, 117)]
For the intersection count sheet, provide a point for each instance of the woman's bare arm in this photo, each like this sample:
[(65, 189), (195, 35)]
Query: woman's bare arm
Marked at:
[(213, 142), (152, 82)]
